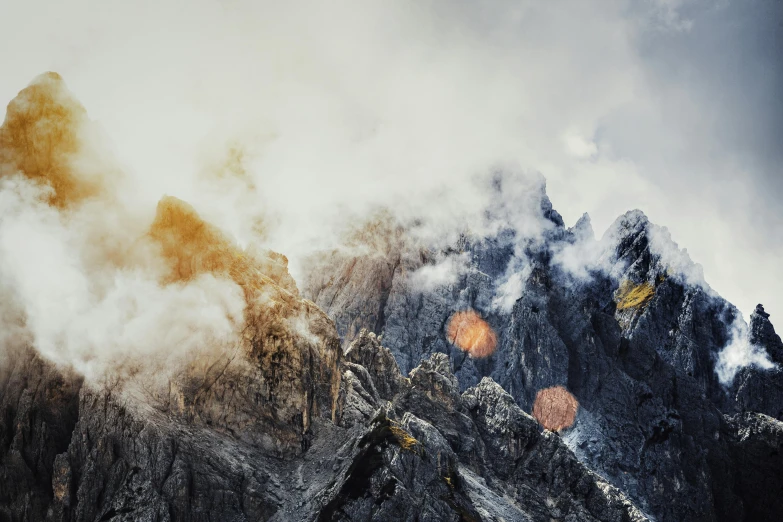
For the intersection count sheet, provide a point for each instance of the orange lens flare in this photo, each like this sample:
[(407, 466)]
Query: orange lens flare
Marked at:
[(555, 408), (470, 333)]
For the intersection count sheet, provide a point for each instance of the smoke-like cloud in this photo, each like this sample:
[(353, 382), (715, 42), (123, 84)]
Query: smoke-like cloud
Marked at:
[(280, 122), (620, 104), (740, 353), (82, 280), (443, 272)]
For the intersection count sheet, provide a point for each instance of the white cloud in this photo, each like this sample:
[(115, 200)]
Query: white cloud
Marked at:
[(677, 261), (89, 314), (360, 104), (585, 255), (444, 272), (511, 289), (739, 353), (580, 147)]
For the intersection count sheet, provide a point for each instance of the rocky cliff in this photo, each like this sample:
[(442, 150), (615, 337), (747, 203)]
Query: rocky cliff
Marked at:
[(350, 402), (627, 324)]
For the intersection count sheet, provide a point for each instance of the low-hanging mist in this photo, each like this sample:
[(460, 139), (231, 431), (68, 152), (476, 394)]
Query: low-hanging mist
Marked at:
[(667, 106), (97, 278), (95, 282), (366, 259)]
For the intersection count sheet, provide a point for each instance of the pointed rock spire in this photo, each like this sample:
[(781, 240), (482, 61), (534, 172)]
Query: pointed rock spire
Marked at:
[(762, 333)]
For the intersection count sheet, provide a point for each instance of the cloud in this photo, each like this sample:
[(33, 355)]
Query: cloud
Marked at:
[(677, 261), (510, 290), (80, 316), (580, 147), (668, 15), (584, 255), (81, 279), (442, 273), (359, 105), (740, 353)]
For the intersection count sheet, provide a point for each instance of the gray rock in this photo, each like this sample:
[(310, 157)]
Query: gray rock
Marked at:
[(636, 340), (121, 460), (757, 389), (295, 425)]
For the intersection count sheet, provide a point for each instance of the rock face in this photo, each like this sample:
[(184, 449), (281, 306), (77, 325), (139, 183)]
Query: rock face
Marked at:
[(633, 332), (760, 390), (431, 453), (355, 406), (284, 372), (40, 408), (756, 441), (214, 439), (398, 449)]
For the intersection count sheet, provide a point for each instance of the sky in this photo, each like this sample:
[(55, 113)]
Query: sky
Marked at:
[(673, 107)]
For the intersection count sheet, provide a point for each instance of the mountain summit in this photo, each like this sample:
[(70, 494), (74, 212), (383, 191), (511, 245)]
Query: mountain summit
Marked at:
[(396, 382)]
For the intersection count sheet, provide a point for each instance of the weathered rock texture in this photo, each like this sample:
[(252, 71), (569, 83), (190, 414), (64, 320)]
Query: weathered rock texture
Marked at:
[(760, 390), (634, 333), (306, 416), (398, 449), (431, 453)]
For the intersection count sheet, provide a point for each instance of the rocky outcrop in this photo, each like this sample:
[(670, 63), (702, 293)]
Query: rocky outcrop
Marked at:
[(39, 407), (756, 389), (756, 441), (213, 440), (633, 331), (355, 405), (283, 372), (378, 361), (425, 452), (431, 453)]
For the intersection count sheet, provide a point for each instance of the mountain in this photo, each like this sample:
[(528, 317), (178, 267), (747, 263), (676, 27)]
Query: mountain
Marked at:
[(634, 333), (346, 400)]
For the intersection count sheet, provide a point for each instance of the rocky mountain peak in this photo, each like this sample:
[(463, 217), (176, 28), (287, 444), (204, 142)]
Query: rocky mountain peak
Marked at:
[(759, 310), (43, 132), (643, 314), (630, 237), (762, 333), (359, 405), (583, 228)]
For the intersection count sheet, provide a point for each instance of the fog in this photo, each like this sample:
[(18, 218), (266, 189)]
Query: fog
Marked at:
[(279, 122)]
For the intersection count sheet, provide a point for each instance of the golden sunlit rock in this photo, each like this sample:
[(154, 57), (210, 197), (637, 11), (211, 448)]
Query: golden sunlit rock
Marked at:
[(191, 246), (555, 408), (631, 295), (470, 333), (41, 137)]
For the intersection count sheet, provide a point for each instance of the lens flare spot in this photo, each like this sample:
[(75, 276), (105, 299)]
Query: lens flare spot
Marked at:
[(470, 333), (555, 408)]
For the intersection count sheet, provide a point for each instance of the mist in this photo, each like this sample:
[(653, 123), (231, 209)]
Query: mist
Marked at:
[(84, 280), (375, 102), (281, 123), (659, 105)]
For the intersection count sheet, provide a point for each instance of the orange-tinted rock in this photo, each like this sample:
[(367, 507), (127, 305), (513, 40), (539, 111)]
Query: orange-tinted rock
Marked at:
[(191, 247), (42, 136), (284, 372)]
